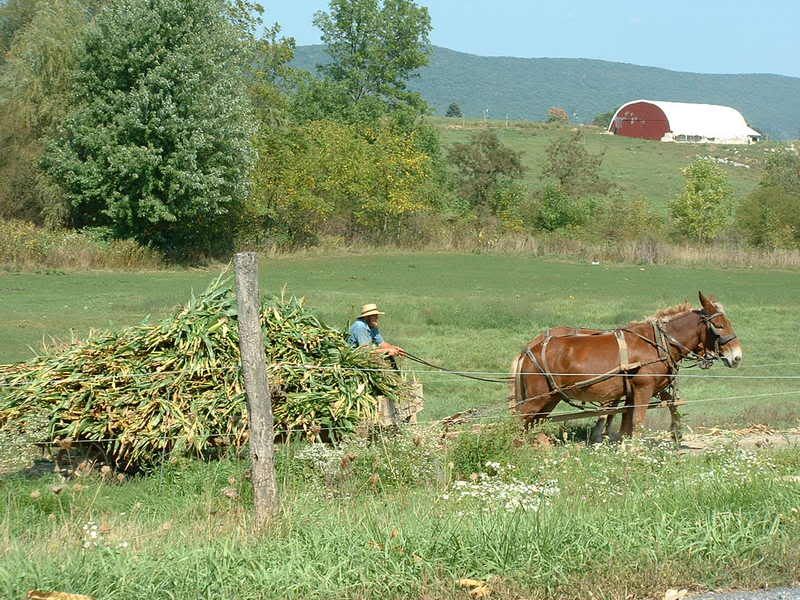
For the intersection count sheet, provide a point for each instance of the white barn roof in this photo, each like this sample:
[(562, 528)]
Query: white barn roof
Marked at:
[(707, 120)]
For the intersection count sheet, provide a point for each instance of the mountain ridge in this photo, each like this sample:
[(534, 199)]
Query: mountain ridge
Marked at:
[(525, 88)]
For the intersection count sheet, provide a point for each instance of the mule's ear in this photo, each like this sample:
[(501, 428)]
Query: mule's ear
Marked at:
[(706, 303)]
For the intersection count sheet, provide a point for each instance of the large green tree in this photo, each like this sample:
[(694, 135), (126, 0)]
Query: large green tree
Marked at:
[(159, 148), (375, 47)]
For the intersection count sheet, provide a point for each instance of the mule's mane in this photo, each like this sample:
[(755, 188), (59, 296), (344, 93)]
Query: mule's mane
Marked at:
[(665, 314)]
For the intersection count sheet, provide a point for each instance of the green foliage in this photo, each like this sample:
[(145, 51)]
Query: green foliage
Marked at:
[(158, 147), (573, 168), (375, 47), (487, 172), (356, 180), (603, 119), (471, 451), (453, 110), (14, 15), (35, 81), (271, 77), (769, 216), (705, 208), (620, 218), (556, 114), (552, 209)]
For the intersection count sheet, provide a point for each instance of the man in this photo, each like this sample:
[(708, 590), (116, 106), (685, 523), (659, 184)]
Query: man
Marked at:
[(364, 332)]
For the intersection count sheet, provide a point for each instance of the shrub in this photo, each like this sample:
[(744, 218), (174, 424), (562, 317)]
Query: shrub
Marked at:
[(603, 119), (573, 168), (487, 172), (26, 246), (357, 180), (705, 208), (552, 209), (453, 111), (769, 217), (557, 115), (472, 450), (620, 218)]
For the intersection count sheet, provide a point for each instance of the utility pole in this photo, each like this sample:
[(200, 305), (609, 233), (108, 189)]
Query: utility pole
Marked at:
[(259, 401)]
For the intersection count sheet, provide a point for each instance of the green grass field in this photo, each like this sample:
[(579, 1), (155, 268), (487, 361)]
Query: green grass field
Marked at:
[(615, 522), (468, 312), (642, 168), (392, 520)]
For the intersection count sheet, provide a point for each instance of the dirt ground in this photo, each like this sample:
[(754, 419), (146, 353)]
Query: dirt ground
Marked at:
[(757, 436)]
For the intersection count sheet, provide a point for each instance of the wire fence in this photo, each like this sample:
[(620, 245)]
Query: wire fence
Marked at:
[(480, 414), (77, 377)]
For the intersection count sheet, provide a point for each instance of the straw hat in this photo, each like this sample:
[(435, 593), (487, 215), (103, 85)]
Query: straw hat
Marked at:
[(369, 309)]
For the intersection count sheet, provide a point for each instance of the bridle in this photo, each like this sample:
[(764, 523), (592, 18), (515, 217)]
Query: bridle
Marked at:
[(717, 338), (713, 342)]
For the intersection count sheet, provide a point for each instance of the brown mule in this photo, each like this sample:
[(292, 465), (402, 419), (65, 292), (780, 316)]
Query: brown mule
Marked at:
[(632, 363)]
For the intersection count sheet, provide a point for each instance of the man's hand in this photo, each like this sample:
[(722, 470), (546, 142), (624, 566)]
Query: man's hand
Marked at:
[(391, 349)]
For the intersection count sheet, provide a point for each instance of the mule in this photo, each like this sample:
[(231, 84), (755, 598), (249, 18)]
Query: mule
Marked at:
[(633, 363)]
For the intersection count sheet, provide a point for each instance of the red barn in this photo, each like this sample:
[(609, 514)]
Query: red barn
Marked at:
[(682, 122)]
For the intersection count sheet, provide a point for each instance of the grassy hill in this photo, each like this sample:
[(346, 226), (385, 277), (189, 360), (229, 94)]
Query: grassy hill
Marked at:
[(524, 88), (642, 168)]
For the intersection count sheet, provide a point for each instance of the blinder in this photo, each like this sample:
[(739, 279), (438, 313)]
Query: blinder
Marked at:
[(718, 340)]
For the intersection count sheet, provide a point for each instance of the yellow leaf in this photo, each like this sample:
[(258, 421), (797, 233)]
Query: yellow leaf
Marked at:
[(477, 589), (39, 595)]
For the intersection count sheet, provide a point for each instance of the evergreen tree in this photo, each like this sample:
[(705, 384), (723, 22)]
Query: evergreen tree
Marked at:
[(454, 110), (158, 148)]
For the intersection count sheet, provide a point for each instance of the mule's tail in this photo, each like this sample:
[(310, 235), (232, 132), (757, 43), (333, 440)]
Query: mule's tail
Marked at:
[(517, 395)]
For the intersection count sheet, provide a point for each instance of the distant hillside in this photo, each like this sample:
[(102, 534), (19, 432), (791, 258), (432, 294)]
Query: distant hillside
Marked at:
[(524, 88)]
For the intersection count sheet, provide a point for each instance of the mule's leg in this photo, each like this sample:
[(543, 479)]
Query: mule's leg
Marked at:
[(533, 401), (601, 425), (610, 434), (675, 423), (636, 413), (539, 410)]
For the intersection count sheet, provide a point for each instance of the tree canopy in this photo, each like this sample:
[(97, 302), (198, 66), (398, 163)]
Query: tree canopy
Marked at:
[(159, 148), (375, 47)]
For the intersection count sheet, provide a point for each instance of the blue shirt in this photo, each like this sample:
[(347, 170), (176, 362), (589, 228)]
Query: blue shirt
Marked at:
[(362, 334)]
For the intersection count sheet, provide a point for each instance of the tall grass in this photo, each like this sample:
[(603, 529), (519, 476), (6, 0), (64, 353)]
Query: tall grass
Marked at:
[(627, 521), (24, 246), (636, 251)]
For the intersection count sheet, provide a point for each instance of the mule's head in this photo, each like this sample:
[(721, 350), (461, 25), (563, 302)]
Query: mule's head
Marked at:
[(719, 338)]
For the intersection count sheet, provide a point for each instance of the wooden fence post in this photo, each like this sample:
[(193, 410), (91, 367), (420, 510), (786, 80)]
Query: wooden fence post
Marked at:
[(259, 401)]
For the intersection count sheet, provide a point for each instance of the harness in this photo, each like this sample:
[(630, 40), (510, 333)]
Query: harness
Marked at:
[(661, 342)]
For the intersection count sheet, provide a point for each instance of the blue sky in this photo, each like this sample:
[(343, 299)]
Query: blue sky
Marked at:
[(705, 36)]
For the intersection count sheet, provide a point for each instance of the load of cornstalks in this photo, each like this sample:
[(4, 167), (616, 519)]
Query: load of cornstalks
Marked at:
[(159, 390)]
